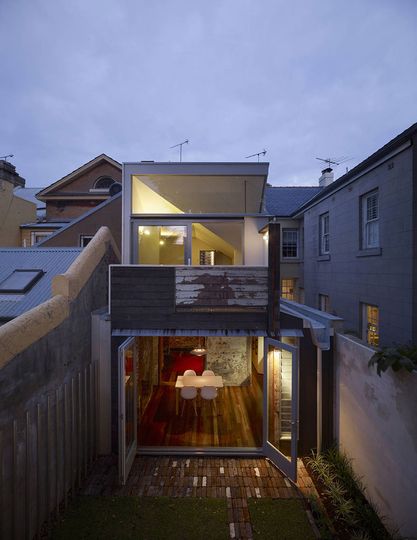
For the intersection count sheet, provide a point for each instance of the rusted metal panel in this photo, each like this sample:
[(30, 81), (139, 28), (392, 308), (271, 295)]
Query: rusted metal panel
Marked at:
[(222, 286)]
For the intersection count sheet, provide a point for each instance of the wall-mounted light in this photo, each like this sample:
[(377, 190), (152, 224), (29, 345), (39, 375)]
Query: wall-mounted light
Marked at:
[(265, 237)]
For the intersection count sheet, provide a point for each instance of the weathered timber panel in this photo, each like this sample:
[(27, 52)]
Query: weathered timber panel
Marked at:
[(165, 298), (192, 321), (222, 286), (142, 289)]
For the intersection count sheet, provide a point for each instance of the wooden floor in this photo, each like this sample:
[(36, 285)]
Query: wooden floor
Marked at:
[(238, 422)]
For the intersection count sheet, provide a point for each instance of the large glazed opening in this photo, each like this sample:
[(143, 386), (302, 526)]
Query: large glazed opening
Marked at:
[(209, 242), (224, 411)]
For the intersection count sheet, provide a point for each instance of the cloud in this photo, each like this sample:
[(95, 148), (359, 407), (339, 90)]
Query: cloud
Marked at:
[(132, 78)]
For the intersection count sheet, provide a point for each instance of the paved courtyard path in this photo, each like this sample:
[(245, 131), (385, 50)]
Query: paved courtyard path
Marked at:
[(233, 479)]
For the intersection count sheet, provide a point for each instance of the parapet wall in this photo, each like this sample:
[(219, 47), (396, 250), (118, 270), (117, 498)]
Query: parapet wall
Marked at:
[(377, 428), (47, 393)]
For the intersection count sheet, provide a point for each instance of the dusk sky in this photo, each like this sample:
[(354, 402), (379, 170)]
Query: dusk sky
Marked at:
[(130, 78)]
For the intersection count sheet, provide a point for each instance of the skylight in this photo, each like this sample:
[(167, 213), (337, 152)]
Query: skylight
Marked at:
[(20, 281)]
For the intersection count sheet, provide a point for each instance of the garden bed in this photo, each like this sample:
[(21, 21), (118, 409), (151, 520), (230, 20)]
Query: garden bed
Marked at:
[(342, 495)]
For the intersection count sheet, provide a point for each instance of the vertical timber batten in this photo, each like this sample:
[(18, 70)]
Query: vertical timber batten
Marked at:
[(274, 246)]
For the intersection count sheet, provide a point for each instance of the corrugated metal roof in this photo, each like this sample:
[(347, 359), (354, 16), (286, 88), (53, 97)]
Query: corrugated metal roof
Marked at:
[(52, 261), (284, 201)]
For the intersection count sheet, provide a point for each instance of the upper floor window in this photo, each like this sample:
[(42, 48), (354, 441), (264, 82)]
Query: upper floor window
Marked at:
[(288, 289), (289, 243), (85, 239), (196, 194), (370, 324), (324, 234), (370, 220), (324, 303), (103, 183), (38, 236)]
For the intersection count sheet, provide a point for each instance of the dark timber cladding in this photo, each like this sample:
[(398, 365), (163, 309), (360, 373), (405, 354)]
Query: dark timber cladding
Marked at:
[(182, 298), (273, 279)]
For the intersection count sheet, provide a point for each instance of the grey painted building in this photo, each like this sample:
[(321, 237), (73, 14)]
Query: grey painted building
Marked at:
[(360, 251)]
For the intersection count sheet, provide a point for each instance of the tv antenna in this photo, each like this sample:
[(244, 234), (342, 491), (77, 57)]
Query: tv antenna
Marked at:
[(180, 145), (257, 154), (334, 161), (5, 157)]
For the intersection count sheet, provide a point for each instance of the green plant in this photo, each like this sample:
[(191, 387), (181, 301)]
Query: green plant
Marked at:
[(396, 358), (344, 492)]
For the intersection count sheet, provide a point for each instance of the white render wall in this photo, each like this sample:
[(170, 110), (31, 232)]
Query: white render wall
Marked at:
[(376, 425)]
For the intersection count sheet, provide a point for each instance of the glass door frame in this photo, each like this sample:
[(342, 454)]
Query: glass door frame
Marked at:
[(136, 223), (184, 222), (126, 459), (287, 466)]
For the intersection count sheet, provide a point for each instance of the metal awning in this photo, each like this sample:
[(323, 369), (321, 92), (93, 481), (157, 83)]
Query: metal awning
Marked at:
[(172, 332), (321, 324)]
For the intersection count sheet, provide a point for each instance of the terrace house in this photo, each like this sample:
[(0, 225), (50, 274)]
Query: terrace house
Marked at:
[(199, 288)]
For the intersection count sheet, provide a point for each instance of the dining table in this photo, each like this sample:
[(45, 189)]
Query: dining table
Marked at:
[(198, 381)]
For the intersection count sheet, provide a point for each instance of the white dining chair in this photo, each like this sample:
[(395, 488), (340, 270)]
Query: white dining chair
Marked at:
[(209, 393), (189, 393)]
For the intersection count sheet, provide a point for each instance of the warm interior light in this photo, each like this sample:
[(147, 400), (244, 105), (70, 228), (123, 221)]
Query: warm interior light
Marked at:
[(200, 350), (147, 232), (265, 237), (161, 242)]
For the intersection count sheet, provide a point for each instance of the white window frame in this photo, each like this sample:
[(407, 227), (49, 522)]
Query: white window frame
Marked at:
[(41, 236), (297, 243), (83, 237), (324, 227), (370, 220), (324, 302)]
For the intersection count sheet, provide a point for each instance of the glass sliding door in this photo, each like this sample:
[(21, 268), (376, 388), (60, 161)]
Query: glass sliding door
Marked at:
[(281, 405), (207, 242), (127, 359), (162, 244)]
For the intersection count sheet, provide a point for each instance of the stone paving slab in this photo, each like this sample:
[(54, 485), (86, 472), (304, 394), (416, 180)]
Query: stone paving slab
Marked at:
[(233, 479)]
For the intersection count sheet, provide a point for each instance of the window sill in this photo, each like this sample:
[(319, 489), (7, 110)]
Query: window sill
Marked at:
[(372, 252), (291, 260), (324, 257)]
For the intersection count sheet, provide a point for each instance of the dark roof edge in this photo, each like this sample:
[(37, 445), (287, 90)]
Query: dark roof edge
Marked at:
[(369, 161), (80, 218), (79, 169)]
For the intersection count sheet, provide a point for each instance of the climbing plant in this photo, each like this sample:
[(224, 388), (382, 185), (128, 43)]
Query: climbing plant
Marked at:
[(396, 358)]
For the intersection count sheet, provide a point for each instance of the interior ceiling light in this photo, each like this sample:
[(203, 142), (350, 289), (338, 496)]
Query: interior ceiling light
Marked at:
[(200, 350)]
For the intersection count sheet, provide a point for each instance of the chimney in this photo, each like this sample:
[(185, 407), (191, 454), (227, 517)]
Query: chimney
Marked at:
[(8, 173), (326, 177)]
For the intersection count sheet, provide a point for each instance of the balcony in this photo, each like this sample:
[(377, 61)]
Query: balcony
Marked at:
[(233, 299)]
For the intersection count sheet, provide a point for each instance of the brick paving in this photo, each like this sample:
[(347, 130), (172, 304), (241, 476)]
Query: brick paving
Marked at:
[(232, 479)]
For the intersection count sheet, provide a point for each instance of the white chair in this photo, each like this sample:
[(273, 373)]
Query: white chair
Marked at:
[(189, 392), (209, 393), (208, 372)]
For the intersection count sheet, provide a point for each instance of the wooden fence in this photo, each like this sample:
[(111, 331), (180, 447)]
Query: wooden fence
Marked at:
[(45, 454)]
